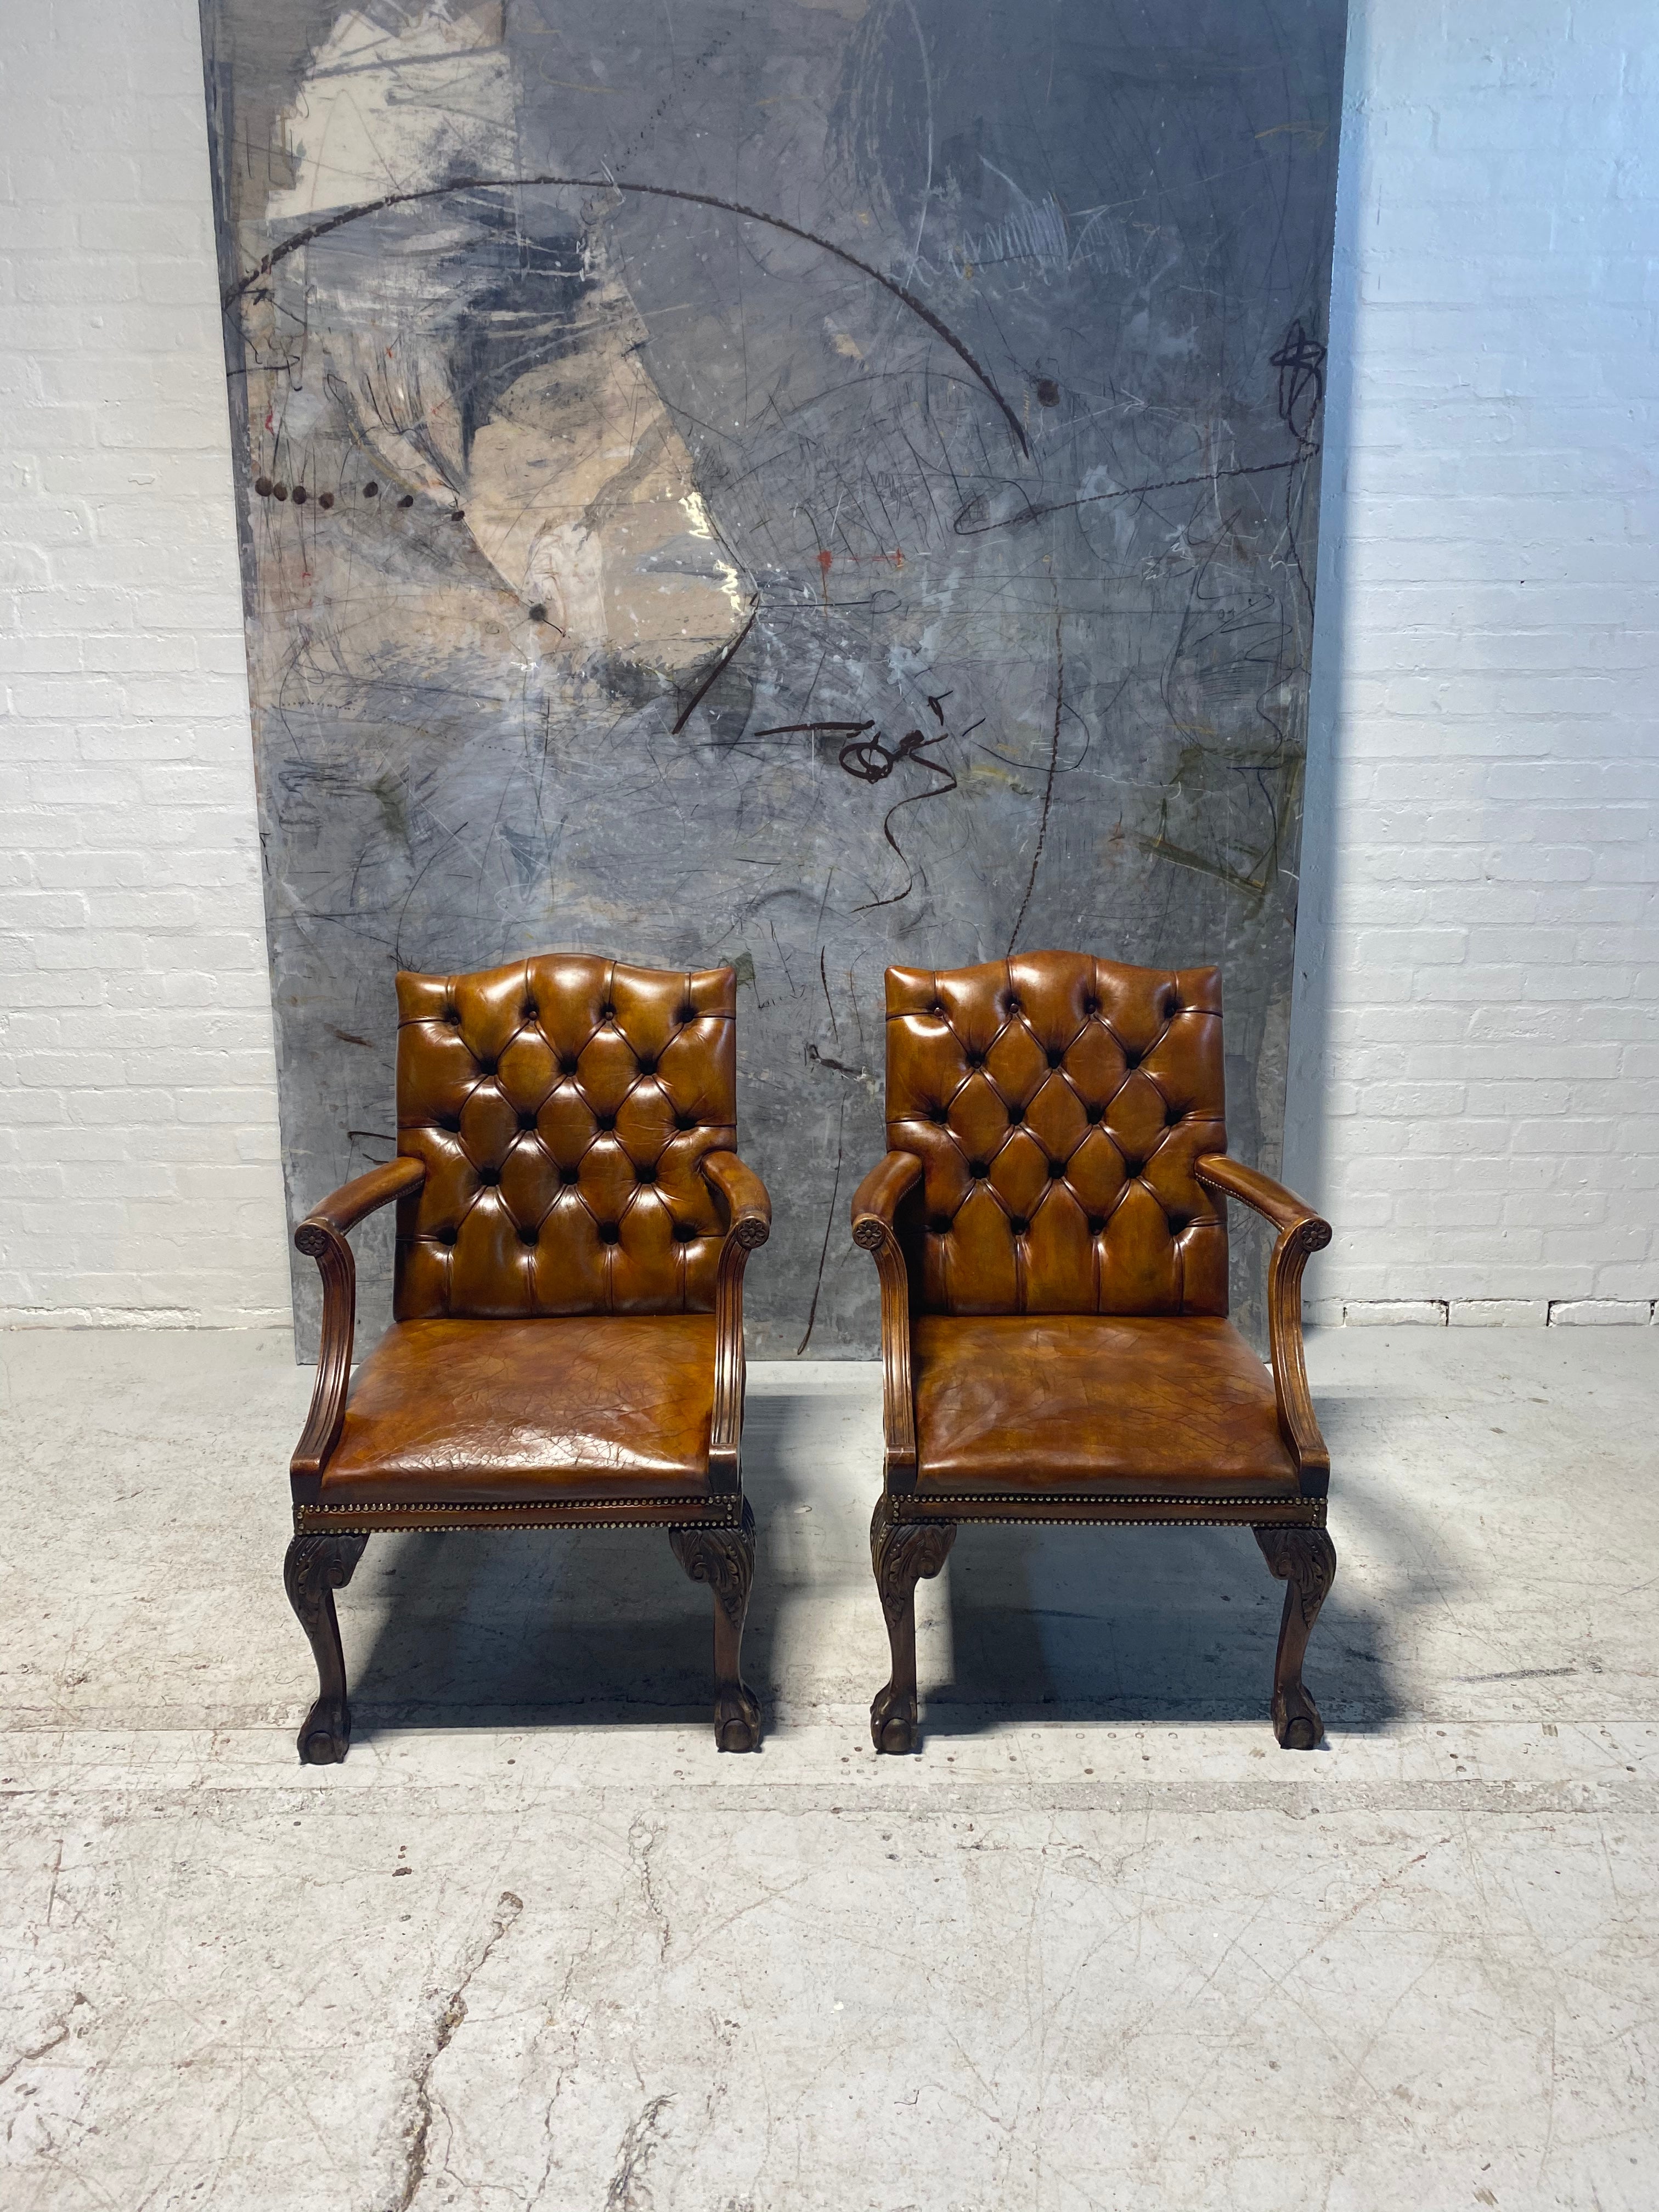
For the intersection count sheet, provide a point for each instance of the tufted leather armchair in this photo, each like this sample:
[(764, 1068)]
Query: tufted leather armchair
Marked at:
[(567, 1350), (1052, 1250)]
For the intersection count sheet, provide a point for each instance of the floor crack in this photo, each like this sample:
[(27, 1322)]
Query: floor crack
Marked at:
[(507, 1909), (628, 2191)]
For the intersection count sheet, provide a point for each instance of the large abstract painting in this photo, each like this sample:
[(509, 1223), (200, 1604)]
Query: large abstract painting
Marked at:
[(802, 483)]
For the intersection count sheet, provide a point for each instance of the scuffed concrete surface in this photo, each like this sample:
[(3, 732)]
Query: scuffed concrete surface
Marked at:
[(536, 1944)]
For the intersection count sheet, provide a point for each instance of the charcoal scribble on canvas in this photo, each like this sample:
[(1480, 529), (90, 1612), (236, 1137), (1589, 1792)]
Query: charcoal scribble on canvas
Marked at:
[(806, 485)]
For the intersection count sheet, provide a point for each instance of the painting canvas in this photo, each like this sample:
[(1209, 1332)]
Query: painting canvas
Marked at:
[(807, 484)]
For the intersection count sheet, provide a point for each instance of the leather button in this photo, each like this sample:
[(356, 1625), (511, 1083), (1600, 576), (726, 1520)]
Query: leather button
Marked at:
[(1020, 1224), (685, 1121), (645, 1172), (1132, 1059), (940, 1114), (445, 1235), (1172, 1004), (1056, 1168), (1178, 1222), (1132, 1166), (609, 1232), (1016, 1114), (489, 1176), (1013, 1005), (486, 1067), (975, 1059), (936, 1010), (450, 1121), (604, 1120), (568, 1063), (1095, 1113), (527, 1121), (1091, 1006), (451, 1013), (607, 1013), (531, 1010), (977, 1170), (683, 1232), (568, 1176), (1172, 1117), (941, 1224), (647, 1067), (1097, 1225), (1055, 1058), (530, 1235), (687, 1013)]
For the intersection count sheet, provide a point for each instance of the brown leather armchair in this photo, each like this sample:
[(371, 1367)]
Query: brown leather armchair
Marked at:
[(573, 1226), (1053, 1259)]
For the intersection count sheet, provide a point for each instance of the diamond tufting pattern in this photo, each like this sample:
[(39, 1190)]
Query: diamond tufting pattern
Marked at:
[(562, 1105), (1058, 1104)]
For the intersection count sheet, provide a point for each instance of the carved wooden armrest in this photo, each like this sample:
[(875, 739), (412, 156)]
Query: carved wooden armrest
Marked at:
[(875, 1203), (323, 1235), (1301, 1234), (748, 1210)]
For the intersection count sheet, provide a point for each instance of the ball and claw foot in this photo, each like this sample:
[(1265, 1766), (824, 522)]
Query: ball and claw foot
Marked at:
[(1296, 1720), (325, 1735), (737, 1718), (893, 1720)]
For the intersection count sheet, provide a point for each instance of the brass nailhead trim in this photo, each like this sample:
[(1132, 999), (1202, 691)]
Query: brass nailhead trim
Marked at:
[(310, 1518), (1165, 1520)]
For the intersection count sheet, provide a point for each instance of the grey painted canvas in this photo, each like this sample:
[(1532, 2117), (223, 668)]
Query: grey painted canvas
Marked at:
[(802, 483)]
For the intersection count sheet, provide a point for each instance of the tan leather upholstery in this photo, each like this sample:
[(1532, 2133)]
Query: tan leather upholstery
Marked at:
[(497, 1411), (563, 1106), (1071, 1405), (1049, 1238), (1058, 1104), (573, 1229)]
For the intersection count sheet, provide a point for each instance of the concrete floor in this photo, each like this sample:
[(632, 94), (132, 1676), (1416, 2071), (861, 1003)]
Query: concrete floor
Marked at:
[(1102, 1944)]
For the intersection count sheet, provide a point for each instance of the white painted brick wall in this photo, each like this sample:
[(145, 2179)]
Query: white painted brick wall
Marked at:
[(1477, 1035), (1484, 1022), (138, 1175)]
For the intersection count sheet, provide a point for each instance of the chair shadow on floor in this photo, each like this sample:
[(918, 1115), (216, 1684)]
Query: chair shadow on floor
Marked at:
[(1150, 1624), (542, 1628), (534, 1627), (555, 1627)]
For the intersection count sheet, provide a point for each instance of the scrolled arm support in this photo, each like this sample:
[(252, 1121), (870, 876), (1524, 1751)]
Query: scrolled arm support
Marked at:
[(875, 1205), (742, 1197), (322, 1236), (1301, 1232)]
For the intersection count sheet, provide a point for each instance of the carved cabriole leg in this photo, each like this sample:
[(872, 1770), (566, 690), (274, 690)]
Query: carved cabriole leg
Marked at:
[(725, 1560), (1304, 1559), (316, 1566), (902, 1552)]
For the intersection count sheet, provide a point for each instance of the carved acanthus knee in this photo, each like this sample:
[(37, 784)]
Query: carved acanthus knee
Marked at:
[(901, 1554), (1304, 1559), (724, 1559), (315, 1568)]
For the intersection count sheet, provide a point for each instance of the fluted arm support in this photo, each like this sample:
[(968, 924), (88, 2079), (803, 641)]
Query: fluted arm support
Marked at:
[(742, 1197), (1301, 1234), (322, 1235), (875, 1204)]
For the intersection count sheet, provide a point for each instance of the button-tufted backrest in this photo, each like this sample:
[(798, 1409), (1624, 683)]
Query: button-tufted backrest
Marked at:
[(562, 1105), (1058, 1104)]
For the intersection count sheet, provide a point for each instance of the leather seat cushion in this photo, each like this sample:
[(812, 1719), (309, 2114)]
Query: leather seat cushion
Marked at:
[(461, 1411), (1074, 1405)]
